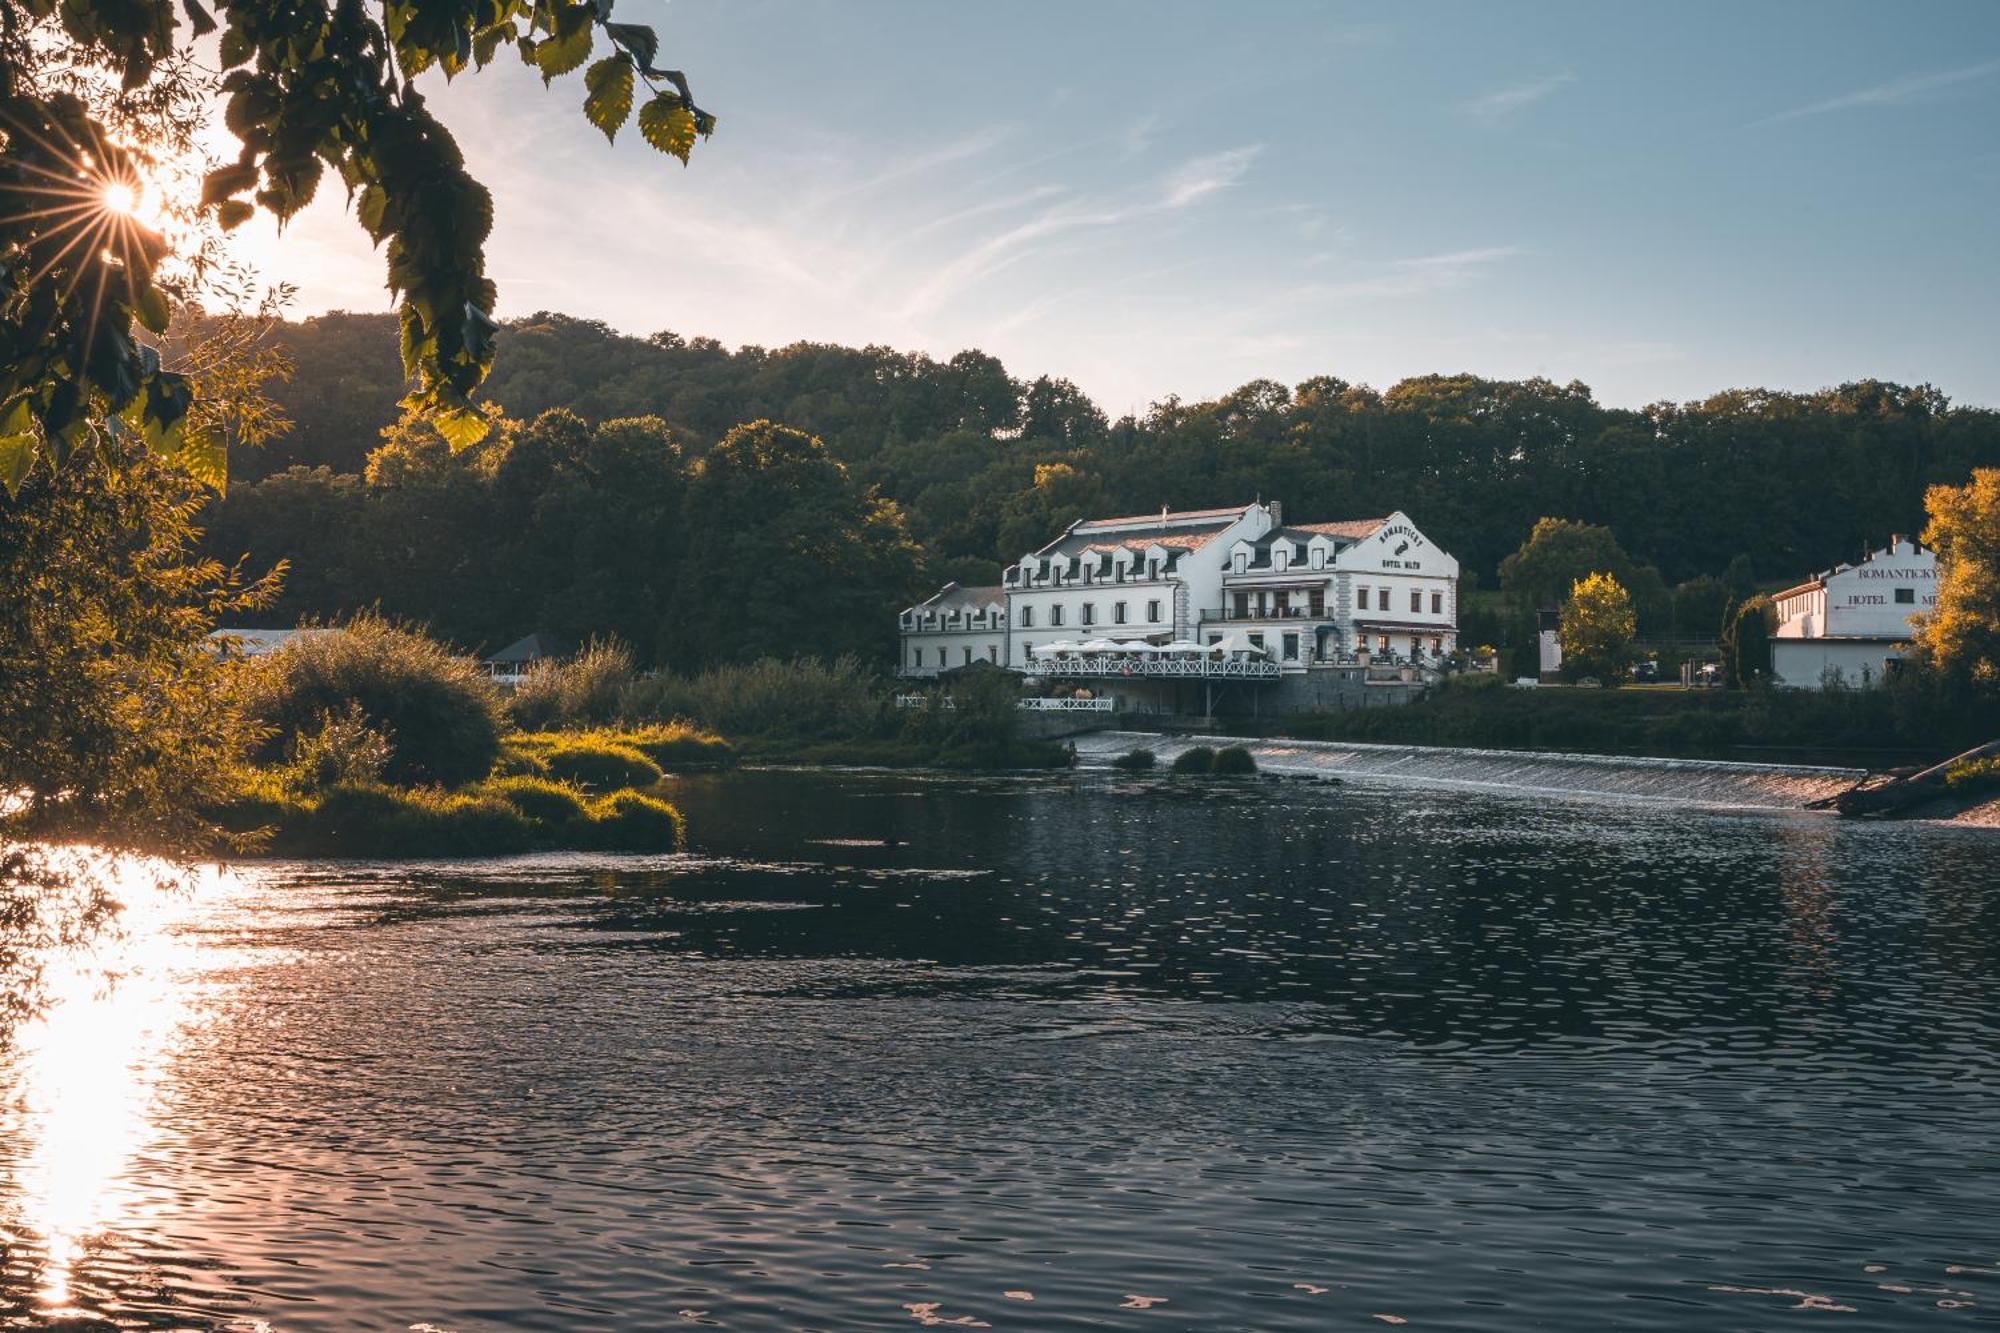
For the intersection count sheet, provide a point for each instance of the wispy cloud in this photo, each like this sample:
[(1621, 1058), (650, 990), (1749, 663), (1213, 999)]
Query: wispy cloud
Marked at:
[(1504, 102), (1415, 276), (1186, 185), (1206, 175), (1912, 88)]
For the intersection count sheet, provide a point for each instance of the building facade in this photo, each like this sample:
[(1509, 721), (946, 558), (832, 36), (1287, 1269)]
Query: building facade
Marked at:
[(1846, 625), (1294, 595), (954, 627)]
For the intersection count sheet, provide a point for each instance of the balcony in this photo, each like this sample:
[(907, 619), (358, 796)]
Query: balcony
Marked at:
[(1141, 666), (1228, 614)]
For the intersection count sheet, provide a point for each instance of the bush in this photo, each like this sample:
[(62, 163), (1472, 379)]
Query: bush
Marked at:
[(802, 699), (585, 688), (1195, 759), (1234, 762), (1973, 777), (344, 750), (600, 765), (439, 712), (552, 806), (1137, 761), (679, 745), (629, 822)]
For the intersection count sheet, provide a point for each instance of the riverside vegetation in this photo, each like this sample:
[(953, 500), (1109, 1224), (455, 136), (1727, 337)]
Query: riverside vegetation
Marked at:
[(371, 739)]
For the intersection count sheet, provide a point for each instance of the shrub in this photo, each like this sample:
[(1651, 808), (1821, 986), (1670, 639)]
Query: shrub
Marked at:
[(1136, 760), (626, 821), (344, 749), (679, 745), (374, 820), (552, 806), (600, 765), (1973, 776), (580, 689), (1195, 759), (439, 712), (1234, 762), (803, 698), (466, 825)]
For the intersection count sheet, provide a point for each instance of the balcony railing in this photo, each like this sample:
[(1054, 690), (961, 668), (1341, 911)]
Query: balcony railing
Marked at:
[(1229, 613), (1067, 705), (1126, 665)]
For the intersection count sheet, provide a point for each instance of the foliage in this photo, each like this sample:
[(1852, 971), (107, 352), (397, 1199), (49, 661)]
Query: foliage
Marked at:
[(115, 718), (1973, 777), (1597, 628), (546, 803), (597, 764), (801, 699), (308, 87), (1196, 759), (976, 716), (1746, 643), (1135, 761), (440, 712), (1234, 761), (580, 689), (344, 750), (678, 746), (627, 821), (1959, 641)]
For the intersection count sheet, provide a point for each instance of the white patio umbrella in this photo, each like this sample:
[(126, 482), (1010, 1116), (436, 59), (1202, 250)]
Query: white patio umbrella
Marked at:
[(1183, 646), (1100, 646), (1053, 649)]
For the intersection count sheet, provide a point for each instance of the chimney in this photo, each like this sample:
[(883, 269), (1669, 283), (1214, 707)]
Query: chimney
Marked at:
[(1277, 512)]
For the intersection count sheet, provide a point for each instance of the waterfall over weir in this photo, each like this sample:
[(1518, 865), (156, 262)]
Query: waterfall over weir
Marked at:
[(1692, 781)]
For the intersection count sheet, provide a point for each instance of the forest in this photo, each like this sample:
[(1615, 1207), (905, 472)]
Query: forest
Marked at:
[(626, 489)]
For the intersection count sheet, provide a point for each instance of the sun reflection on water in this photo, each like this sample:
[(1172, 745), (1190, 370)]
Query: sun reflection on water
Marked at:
[(79, 1090)]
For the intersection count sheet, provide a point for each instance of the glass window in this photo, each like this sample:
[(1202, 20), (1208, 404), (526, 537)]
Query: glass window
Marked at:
[(916, 657), (1153, 611), (1118, 613), (1382, 643), (968, 654), (1416, 600), (1363, 602), (1291, 648), (1906, 596), (1256, 640), (1055, 614), (1089, 613), (1027, 617), (1316, 602), (1437, 603), (942, 660), (1437, 647), (1242, 606)]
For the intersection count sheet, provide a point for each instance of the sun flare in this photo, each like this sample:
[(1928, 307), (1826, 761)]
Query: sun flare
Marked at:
[(123, 198)]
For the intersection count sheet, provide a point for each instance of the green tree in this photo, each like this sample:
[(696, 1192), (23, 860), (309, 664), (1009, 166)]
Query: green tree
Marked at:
[(790, 556), (1746, 643), (1699, 606), (1959, 641), (1558, 553), (1597, 628), (95, 95)]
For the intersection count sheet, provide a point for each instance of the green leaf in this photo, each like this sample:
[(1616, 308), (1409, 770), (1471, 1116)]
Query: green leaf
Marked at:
[(560, 54), (638, 39), (461, 427), (204, 455), (17, 455), (150, 305), (668, 125), (609, 103), (233, 213), (374, 202), (225, 181)]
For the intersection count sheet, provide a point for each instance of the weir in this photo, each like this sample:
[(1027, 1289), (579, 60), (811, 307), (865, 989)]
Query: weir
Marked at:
[(1692, 781)]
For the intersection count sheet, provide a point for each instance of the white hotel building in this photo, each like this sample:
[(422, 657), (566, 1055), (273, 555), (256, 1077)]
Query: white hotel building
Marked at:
[(1846, 625), (1280, 598)]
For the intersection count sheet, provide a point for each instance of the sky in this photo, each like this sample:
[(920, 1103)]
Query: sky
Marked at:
[(1165, 198)]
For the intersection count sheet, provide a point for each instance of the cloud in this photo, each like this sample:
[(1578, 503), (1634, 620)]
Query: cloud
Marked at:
[(1416, 276), (1207, 175), (1893, 93), (1506, 101)]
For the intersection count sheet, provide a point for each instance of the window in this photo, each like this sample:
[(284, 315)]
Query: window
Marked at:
[(1089, 616), (1316, 602), (1242, 607), (916, 657), (1027, 617), (1437, 647), (1055, 614), (1153, 611), (1027, 651), (1291, 648), (1437, 603), (1118, 613), (1257, 641), (1319, 557), (968, 654), (942, 660), (1363, 596), (1382, 643), (1240, 561), (1416, 600), (1906, 596), (1416, 646), (993, 653)]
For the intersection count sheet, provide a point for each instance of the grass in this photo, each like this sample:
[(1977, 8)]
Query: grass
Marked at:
[(1974, 777)]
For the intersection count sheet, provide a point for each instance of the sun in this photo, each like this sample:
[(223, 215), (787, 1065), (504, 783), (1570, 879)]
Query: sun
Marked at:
[(123, 198)]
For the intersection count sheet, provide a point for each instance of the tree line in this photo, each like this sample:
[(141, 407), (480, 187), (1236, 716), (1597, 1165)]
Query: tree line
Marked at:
[(978, 467)]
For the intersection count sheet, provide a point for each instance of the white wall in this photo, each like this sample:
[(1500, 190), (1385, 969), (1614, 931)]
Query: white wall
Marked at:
[(1803, 663)]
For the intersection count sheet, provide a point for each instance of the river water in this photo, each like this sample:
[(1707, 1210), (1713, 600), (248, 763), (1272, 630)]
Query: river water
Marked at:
[(1069, 1051)]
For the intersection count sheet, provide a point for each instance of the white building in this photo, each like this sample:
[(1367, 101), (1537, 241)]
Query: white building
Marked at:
[(954, 628), (1844, 626), (1292, 595)]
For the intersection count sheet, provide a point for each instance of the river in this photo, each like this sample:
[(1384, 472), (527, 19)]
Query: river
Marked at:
[(1050, 1052)]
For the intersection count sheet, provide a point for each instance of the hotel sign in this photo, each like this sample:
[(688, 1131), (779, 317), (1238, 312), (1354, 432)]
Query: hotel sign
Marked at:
[(1405, 538)]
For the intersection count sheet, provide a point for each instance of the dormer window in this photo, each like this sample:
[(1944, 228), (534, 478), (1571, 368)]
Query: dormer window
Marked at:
[(1240, 561), (1319, 557)]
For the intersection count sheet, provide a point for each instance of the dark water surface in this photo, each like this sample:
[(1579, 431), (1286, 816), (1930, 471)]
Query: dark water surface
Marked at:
[(898, 1050)]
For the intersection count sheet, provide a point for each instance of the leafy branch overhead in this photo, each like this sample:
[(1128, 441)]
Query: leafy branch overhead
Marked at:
[(310, 90)]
